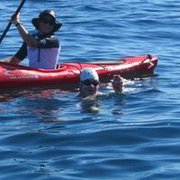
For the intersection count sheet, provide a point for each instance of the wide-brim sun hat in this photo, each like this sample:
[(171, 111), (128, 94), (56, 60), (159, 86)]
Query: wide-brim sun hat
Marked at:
[(89, 74), (57, 24)]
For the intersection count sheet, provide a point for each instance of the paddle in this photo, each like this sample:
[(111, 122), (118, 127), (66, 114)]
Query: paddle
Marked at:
[(9, 25)]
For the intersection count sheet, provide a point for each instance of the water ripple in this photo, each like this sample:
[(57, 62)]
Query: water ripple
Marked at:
[(51, 134)]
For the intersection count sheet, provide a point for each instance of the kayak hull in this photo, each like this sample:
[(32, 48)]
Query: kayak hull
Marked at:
[(67, 75)]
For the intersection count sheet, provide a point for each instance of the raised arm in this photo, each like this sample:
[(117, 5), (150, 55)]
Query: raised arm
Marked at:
[(28, 39)]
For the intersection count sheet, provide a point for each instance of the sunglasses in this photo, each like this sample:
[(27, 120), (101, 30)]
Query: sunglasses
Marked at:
[(47, 20), (89, 82)]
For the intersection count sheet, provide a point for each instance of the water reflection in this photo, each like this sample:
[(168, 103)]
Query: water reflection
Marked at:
[(53, 105), (91, 106), (44, 105)]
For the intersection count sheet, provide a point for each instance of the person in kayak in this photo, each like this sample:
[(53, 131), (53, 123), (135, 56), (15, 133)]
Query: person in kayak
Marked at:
[(42, 47), (90, 84)]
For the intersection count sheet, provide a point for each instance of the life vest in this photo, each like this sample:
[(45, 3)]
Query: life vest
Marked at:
[(46, 55)]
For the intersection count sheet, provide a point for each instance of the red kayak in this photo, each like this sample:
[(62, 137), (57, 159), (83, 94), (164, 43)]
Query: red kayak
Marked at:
[(67, 75)]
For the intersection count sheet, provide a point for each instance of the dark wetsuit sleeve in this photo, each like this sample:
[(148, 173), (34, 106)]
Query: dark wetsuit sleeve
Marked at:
[(22, 52), (49, 42)]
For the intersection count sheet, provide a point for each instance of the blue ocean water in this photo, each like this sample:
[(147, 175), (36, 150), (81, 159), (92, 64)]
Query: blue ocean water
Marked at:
[(51, 134)]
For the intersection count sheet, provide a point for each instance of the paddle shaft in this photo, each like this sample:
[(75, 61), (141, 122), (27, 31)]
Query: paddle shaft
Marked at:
[(9, 24)]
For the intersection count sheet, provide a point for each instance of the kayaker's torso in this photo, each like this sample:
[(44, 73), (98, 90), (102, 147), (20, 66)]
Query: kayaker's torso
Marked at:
[(45, 56)]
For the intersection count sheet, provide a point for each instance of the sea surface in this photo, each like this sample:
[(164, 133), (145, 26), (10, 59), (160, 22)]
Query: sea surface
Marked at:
[(52, 134)]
